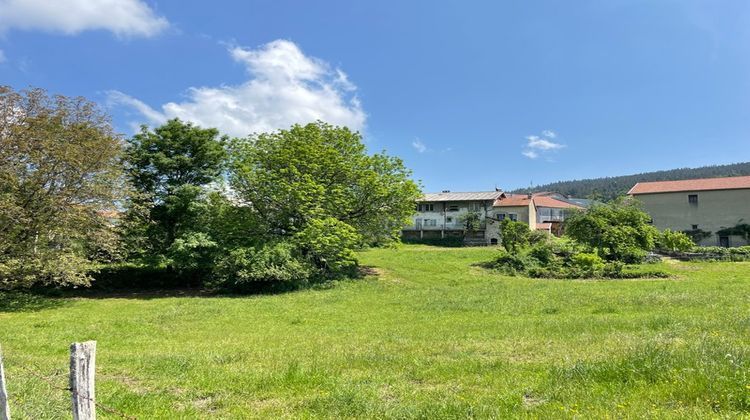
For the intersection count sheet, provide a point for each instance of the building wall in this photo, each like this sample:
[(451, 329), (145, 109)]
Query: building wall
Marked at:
[(526, 214), (441, 214), (715, 210)]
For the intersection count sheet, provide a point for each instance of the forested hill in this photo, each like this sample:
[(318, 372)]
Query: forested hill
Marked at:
[(610, 187)]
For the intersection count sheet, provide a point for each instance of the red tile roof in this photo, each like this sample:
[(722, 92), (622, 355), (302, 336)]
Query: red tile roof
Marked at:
[(519, 200), (705, 184), (554, 203), (512, 200)]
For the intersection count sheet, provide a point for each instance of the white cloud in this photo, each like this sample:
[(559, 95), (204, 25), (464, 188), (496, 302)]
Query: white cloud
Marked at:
[(535, 142), (536, 146), (419, 146), (285, 87), (530, 154), (123, 17)]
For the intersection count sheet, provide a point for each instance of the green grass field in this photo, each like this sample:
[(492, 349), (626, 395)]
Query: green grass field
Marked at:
[(428, 335)]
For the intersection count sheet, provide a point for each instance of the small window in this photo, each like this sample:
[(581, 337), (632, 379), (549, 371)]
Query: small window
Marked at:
[(513, 217), (500, 216), (430, 222), (693, 199), (426, 207), (453, 207), (493, 241), (449, 220), (695, 227)]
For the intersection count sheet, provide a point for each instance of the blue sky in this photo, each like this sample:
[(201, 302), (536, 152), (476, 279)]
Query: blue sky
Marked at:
[(470, 94)]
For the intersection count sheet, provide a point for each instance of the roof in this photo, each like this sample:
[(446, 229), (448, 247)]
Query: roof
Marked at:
[(705, 184), (554, 203), (512, 200), (540, 200), (462, 196), (544, 226)]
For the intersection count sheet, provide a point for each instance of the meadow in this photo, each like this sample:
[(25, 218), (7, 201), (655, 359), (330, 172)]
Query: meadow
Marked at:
[(426, 334)]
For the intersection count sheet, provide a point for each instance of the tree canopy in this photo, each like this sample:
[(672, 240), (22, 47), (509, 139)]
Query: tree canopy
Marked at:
[(60, 179), (317, 172)]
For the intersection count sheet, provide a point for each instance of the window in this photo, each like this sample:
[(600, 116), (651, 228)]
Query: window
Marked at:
[(453, 207), (724, 241), (500, 216), (430, 222), (426, 207), (449, 220), (493, 241), (513, 217), (693, 199), (695, 227)]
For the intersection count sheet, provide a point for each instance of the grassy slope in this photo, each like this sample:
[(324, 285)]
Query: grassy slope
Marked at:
[(431, 336)]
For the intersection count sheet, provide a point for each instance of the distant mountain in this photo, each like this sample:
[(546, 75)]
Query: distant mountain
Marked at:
[(609, 188)]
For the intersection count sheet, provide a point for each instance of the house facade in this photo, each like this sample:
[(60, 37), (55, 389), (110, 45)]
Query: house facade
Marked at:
[(443, 215), (700, 207)]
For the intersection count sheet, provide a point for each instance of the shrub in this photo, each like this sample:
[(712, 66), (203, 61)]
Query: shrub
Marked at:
[(242, 268), (613, 269), (513, 263), (514, 235), (618, 231), (328, 244), (192, 254), (588, 264), (674, 241)]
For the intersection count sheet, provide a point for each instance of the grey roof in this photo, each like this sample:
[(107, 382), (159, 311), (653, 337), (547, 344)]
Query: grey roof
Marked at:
[(462, 196)]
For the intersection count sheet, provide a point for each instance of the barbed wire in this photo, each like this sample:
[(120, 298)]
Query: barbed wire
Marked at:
[(53, 385)]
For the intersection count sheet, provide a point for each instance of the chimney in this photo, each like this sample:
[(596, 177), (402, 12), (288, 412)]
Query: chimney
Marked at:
[(446, 191), (528, 196)]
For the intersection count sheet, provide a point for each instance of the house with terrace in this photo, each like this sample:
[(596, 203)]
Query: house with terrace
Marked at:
[(541, 211), (443, 215)]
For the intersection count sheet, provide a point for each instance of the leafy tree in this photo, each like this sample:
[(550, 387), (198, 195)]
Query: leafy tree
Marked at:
[(514, 235), (60, 176), (618, 231), (170, 168), (328, 243), (675, 241), (316, 172), (472, 221)]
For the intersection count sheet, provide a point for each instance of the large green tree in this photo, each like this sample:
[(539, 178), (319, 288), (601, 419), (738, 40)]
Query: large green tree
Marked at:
[(170, 168), (60, 180), (319, 172)]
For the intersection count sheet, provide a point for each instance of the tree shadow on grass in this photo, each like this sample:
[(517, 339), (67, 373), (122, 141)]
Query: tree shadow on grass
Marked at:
[(38, 299), (29, 301)]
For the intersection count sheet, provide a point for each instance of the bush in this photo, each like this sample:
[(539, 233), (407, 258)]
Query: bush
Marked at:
[(563, 259), (192, 254), (513, 263), (618, 231), (328, 244), (588, 264), (514, 235), (669, 240), (242, 268)]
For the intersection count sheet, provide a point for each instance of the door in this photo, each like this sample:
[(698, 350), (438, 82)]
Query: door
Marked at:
[(724, 241)]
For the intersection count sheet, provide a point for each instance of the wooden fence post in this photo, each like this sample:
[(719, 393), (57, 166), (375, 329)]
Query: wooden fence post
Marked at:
[(82, 370), (4, 406)]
